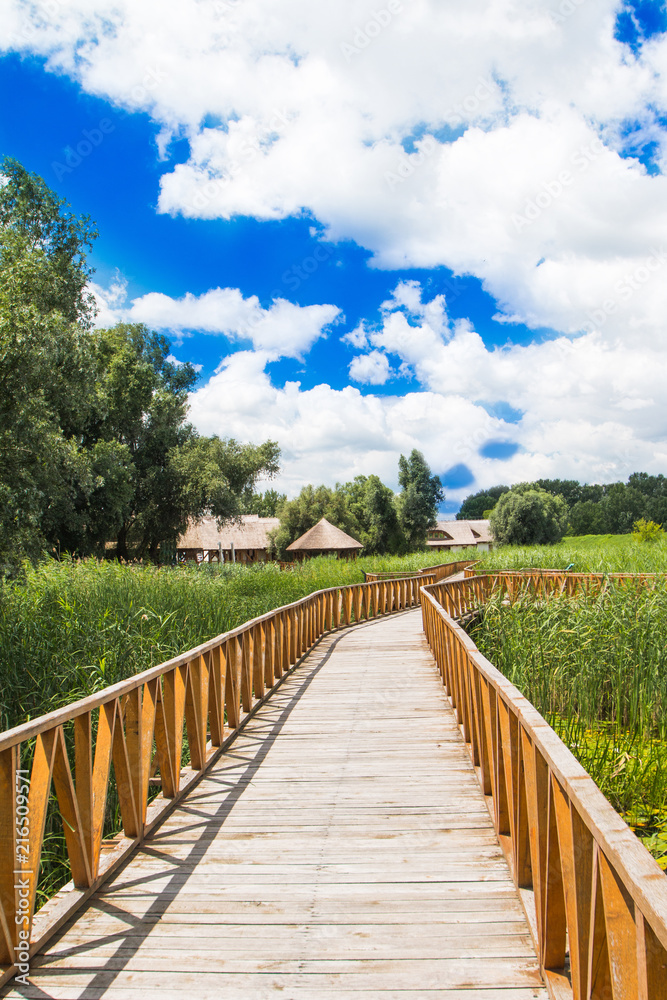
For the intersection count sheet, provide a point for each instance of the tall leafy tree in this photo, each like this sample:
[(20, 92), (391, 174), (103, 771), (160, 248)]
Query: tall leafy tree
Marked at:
[(529, 516), (264, 504), (569, 489), (586, 518), (621, 506), (94, 439), (46, 362), (373, 506), (654, 491), (55, 239), (475, 505), (176, 474), (418, 502)]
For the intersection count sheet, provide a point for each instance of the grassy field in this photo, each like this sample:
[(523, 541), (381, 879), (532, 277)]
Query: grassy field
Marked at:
[(585, 554), (596, 668), (68, 629)]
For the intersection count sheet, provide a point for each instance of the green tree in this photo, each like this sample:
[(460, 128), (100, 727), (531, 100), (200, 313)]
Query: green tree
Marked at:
[(569, 489), (475, 506), (621, 507), (46, 362), (43, 229), (264, 504), (373, 507), (592, 491), (586, 518), (529, 516), (419, 499), (210, 475), (94, 441), (177, 475), (654, 491), (141, 406)]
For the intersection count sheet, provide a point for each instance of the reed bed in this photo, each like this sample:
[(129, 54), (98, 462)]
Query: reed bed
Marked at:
[(596, 667), (69, 629), (583, 554)]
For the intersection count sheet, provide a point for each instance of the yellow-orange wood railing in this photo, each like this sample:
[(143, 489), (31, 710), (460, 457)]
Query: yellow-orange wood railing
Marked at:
[(558, 581), (441, 571), (138, 727), (595, 898)]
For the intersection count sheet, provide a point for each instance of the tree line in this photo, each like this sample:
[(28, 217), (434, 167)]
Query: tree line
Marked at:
[(587, 509), (95, 445), (366, 509)]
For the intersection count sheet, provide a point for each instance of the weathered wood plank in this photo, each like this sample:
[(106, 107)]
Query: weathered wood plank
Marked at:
[(341, 847)]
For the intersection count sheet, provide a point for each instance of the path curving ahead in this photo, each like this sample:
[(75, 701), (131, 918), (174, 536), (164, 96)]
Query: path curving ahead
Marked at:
[(341, 848)]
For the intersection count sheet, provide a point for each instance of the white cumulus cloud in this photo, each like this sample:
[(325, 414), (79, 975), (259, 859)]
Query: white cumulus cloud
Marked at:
[(372, 368), (283, 330), (489, 137)]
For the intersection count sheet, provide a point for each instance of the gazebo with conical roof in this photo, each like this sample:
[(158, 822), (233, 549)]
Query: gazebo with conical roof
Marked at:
[(325, 539)]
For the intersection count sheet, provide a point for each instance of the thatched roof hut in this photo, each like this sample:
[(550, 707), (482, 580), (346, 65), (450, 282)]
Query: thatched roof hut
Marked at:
[(325, 539), (246, 540), (460, 534)]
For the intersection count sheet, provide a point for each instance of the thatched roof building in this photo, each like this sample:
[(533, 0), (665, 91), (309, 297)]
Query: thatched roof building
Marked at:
[(244, 541), (325, 539), (460, 534)]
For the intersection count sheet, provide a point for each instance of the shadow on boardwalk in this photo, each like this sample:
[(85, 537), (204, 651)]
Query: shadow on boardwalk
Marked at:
[(352, 856)]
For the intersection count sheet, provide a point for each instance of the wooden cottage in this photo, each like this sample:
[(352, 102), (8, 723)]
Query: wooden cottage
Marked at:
[(244, 541), (325, 539), (460, 535)]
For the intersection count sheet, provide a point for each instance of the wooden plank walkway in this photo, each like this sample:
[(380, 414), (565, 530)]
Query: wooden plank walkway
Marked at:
[(341, 848)]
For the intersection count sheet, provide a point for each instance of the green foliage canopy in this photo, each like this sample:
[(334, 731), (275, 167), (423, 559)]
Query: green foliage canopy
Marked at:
[(475, 506), (529, 516), (364, 508), (418, 502), (94, 442)]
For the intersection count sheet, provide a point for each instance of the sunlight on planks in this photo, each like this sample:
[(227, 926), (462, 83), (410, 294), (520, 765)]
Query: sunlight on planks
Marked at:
[(341, 847)]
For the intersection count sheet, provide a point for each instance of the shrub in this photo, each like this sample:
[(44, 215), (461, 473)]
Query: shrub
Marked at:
[(646, 531)]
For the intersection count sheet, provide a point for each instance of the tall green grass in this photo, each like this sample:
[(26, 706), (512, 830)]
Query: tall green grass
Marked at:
[(596, 668), (586, 553), (71, 628)]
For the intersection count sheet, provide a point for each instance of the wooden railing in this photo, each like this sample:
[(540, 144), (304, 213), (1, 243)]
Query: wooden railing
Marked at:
[(558, 581), (595, 899), (463, 597), (138, 726), (440, 572)]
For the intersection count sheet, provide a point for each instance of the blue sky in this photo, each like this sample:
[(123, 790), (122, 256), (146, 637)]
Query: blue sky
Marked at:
[(374, 232)]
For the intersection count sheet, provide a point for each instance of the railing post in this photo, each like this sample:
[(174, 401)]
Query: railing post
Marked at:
[(246, 670), (216, 696), (269, 652), (258, 640), (294, 637), (233, 683)]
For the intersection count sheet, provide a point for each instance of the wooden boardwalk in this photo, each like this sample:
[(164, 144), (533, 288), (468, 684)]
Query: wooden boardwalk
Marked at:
[(341, 848)]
